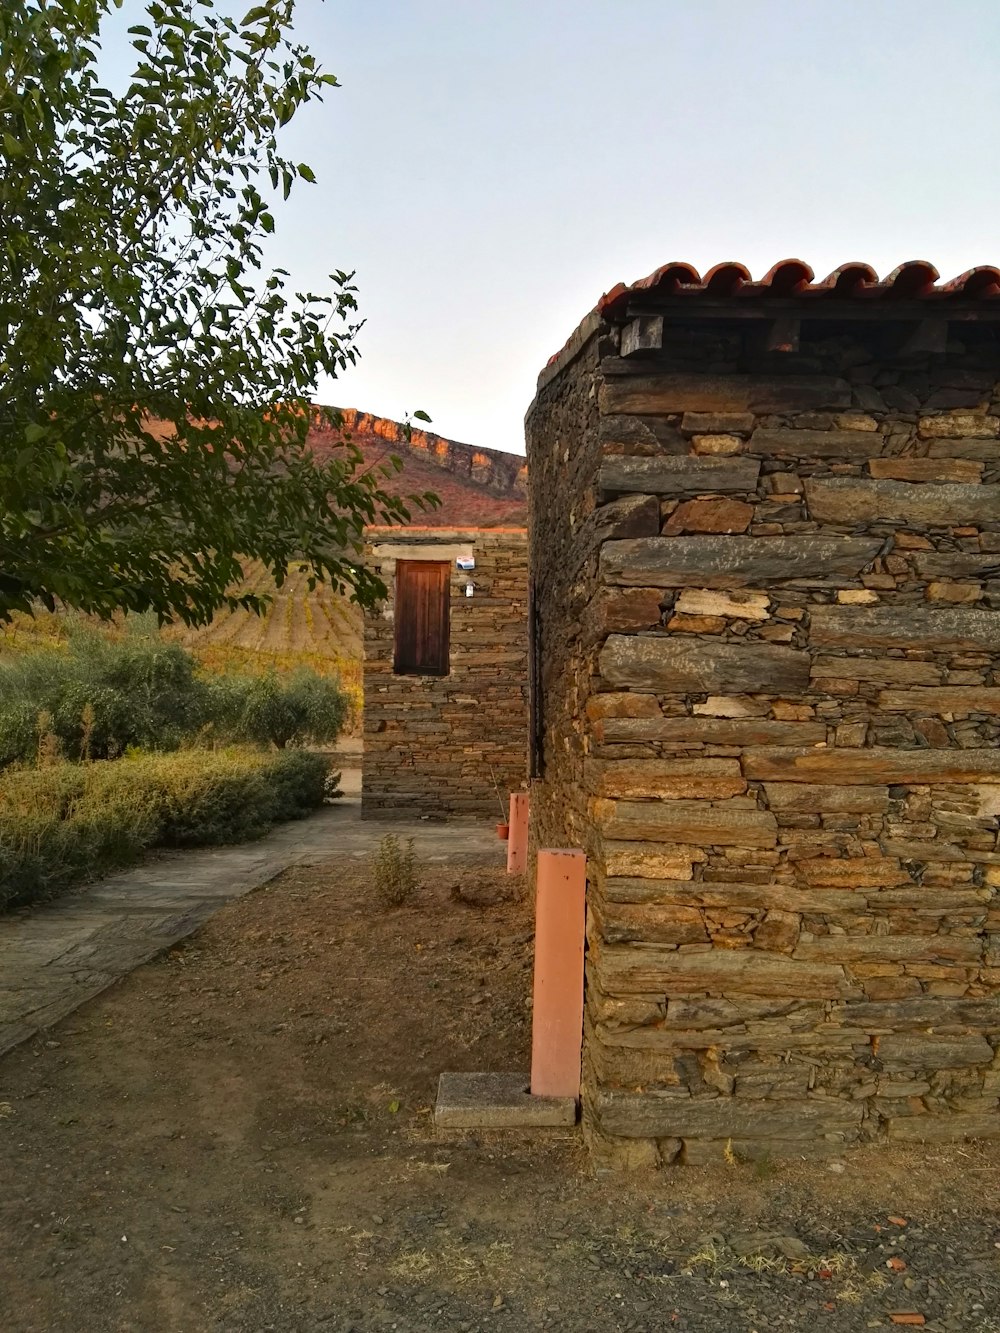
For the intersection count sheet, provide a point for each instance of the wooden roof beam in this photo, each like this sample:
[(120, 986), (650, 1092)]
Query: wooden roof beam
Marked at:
[(681, 310)]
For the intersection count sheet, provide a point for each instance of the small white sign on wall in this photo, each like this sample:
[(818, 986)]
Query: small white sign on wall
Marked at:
[(466, 562)]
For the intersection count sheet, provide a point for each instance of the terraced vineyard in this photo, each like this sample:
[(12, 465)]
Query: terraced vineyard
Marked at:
[(319, 628), (319, 623)]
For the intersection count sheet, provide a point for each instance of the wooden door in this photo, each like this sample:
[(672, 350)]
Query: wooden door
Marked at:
[(422, 602)]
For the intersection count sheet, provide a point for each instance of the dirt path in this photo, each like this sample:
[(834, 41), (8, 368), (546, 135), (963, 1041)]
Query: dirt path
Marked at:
[(238, 1137), (56, 957)]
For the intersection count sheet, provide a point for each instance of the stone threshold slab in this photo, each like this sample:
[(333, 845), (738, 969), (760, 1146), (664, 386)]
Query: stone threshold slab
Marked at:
[(498, 1101)]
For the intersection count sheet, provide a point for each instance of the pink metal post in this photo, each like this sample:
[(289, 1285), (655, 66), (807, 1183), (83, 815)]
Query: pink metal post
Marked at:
[(557, 1019), (517, 843)]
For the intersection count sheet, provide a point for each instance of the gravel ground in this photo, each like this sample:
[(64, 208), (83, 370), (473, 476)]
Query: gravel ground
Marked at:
[(238, 1138)]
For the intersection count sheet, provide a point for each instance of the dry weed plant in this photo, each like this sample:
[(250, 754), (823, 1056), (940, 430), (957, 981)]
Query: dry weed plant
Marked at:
[(393, 869)]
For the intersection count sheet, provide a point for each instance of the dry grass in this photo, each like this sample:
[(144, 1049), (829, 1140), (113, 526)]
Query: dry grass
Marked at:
[(454, 1265)]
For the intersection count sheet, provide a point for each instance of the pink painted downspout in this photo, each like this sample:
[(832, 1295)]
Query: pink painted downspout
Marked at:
[(517, 842), (557, 1017)]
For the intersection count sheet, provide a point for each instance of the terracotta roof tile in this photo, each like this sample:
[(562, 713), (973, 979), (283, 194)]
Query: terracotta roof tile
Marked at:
[(916, 279)]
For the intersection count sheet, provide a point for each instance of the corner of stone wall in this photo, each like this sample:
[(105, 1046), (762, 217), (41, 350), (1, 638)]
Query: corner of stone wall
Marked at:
[(787, 777)]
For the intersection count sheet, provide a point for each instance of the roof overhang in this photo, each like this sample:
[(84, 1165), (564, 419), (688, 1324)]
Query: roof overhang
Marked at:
[(788, 297)]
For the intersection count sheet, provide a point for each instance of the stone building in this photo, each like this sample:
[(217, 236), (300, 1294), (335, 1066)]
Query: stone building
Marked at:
[(765, 553), (445, 670)]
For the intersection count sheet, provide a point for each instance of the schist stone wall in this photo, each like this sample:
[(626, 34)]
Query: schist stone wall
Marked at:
[(430, 741), (768, 601)]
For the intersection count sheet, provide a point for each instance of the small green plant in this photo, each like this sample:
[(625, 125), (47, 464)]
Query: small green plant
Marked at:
[(765, 1167), (87, 720), (394, 871)]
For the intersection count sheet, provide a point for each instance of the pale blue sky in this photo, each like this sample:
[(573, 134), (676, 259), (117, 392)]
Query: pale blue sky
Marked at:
[(490, 167)]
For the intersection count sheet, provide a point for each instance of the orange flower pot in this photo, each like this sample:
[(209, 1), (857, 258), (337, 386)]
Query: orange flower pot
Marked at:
[(503, 832)]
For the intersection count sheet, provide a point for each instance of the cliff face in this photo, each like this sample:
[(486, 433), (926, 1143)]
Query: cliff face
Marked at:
[(477, 487)]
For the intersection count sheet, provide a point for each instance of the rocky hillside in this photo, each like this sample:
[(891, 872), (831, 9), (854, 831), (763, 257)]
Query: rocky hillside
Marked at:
[(477, 487)]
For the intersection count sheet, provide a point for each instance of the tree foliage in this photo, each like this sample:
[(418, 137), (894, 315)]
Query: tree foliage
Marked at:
[(155, 373)]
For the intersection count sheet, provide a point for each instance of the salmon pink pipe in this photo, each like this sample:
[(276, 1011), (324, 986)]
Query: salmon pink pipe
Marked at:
[(557, 1017), (517, 842)]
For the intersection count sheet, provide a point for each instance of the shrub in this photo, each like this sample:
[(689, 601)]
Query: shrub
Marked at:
[(299, 783), (100, 696), (300, 709), (237, 796), (65, 823), (394, 871), (207, 798), (47, 848)]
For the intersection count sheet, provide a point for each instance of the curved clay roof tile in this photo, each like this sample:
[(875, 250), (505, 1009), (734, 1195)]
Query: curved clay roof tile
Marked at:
[(666, 280), (726, 278), (914, 278), (983, 280), (609, 301), (851, 279), (787, 277), (669, 277)]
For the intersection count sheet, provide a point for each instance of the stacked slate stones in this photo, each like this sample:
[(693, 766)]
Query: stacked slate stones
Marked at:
[(765, 544)]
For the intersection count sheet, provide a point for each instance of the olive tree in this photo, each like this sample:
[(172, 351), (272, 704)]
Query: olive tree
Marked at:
[(156, 374), (302, 708)]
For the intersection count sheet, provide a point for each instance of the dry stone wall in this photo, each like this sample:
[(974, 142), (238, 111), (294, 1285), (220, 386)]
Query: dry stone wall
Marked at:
[(787, 713), (565, 454), (430, 742)]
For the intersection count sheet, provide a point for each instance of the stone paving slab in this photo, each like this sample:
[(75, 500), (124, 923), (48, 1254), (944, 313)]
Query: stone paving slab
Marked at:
[(498, 1101), (57, 957)]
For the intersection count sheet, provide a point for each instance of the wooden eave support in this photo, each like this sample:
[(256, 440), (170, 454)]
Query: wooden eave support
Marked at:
[(642, 334), (928, 335), (783, 334)]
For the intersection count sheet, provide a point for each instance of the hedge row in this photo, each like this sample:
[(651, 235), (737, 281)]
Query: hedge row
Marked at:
[(65, 823)]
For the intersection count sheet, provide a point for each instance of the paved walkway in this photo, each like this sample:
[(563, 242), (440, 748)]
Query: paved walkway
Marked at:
[(57, 957)]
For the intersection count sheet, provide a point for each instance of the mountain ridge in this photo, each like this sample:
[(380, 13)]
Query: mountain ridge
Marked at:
[(477, 487)]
